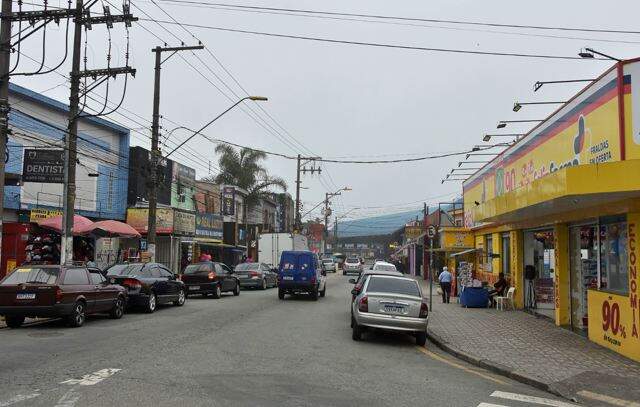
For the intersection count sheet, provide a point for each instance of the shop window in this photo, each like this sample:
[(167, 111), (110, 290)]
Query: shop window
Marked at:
[(614, 274), (505, 256), (488, 248)]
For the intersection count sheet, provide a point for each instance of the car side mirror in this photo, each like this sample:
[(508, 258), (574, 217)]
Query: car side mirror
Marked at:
[(354, 292), (352, 280)]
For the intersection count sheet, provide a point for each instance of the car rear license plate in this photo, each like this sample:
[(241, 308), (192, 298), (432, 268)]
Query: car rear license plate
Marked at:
[(287, 278), (194, 287), (397, 309), (25, 296)]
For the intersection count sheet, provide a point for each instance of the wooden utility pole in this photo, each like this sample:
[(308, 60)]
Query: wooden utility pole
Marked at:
[(5, 54), (156, 155), (81, 19)]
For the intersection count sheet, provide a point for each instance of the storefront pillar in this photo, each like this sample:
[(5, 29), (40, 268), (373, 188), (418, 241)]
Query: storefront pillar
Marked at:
[(562, 287), (496, 248), (517, 266)]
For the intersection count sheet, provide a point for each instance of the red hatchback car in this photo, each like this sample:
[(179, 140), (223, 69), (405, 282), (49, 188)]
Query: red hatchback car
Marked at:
[(69, 292)]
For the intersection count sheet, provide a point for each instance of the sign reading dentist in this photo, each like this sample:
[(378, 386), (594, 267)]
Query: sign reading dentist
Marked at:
[(46, 166)]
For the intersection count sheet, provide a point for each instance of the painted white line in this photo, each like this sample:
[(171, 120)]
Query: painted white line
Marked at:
[(18, 398), (92, 378), (490, 405), (69, 399), (531, 399), (607, 399)]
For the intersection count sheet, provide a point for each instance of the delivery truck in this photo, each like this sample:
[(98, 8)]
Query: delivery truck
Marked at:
[(271, 246)]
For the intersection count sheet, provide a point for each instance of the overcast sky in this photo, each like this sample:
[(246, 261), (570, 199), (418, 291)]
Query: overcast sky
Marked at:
[(345, 100)]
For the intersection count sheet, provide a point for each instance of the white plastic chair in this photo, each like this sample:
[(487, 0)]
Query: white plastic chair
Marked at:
[(507, 301)]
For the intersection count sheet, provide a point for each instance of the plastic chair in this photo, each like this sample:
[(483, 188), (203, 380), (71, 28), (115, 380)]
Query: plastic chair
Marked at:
[(507, 301)]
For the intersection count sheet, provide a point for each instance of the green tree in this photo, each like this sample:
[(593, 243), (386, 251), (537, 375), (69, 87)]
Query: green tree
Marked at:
[(243, 168)]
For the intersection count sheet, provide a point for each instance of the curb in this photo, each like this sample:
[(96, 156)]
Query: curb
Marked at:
[(494, 367), (37, 321)]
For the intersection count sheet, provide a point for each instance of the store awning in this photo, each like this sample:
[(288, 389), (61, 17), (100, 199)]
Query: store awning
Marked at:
[(207, 240), (567, 190), (80, 223), (109, 228), (462, 253)]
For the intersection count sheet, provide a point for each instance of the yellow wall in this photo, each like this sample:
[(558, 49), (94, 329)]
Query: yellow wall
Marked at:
[(517, 266), (562, 280)]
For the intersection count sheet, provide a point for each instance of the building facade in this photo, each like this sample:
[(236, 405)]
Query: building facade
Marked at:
[(558, 213)]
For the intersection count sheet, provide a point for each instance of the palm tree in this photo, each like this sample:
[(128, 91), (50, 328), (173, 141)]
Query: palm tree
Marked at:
[(243, 168)]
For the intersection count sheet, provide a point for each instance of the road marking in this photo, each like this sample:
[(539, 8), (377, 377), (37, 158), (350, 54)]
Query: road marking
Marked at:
[(92, 378), (69, 399), (459, 366), (490, 405), (18, 398), (607, 399), (531, 399)]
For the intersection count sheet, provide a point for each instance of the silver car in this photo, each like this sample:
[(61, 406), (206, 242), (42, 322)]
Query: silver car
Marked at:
[(390, 303), (352, 265), (328, 265)]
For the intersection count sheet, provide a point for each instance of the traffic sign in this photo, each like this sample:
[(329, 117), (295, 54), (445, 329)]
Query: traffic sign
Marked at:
[(431, 231)]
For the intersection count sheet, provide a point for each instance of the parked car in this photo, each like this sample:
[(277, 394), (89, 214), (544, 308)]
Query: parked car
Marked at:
[(328, 264), (383, 266), (148, 284), (351, 265), (256, 275), (299, 272), (210, 278), (390, 303), (58, 291), (359, 282)]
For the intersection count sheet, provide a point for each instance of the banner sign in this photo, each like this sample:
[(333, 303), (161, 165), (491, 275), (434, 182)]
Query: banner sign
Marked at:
[(184, 223), (44, 166), (209, 225), (36, 215), (412, 232), (584, 131), (228, 201), (456, 239), (138, 218)]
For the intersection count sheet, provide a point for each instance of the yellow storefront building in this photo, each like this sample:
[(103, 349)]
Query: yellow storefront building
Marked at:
[(559, 212)]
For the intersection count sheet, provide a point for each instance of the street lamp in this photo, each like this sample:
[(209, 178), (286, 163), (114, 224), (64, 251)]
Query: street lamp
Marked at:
[(254, 98), (470, 154), (518, 105), (471, 162), (588, 53), (503, 123), (539, 84), (487, 137)]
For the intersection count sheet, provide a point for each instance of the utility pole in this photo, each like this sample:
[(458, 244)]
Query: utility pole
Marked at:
[(300, 168), (82, 19), (156, 155), (5, 55)]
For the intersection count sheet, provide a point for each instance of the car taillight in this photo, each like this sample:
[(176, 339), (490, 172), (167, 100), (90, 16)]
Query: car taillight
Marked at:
[(363, 304), (212, 275), (313, 280), (132, 283), (58, 294), (357, 288), (424, 310), (254, 274)]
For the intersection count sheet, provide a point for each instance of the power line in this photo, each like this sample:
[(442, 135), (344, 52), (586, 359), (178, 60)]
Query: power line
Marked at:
[(383, 45), (428, 20)]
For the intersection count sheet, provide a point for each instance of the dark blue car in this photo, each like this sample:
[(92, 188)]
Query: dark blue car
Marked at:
[(300, 272)]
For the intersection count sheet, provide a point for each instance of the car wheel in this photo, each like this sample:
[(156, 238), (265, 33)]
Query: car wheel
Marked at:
[(352, 321), (236, 291), (218, 292), (79, 314), (324, 291), (118, 308), (314, 294), (421, 338), (264, 284), (14, 321), (356, 333), (344, 273), (152, 303), (182, 297), (281, 293)]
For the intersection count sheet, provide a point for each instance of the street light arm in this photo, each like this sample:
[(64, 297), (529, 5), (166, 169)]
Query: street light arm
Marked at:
[(213, 120)]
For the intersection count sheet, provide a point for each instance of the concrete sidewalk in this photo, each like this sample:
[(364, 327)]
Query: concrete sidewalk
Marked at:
[(535, 351)]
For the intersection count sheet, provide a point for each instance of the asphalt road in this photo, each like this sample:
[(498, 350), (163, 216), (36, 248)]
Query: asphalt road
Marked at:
[(251, 350)]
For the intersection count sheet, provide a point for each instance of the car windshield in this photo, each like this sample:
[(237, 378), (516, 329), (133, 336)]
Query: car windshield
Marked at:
[(353, 260), (124, 269), (392, 285), (248, 267), (35, 275), (385, 267), (198, 268), (327, 261)]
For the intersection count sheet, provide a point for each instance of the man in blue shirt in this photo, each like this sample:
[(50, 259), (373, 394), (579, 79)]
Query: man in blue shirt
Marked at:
[(445, 284)]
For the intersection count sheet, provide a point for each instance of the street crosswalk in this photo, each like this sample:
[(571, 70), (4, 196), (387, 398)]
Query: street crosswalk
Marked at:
[(522, 400)]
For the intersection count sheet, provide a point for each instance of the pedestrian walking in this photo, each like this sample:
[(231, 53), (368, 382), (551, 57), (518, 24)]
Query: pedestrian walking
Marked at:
[(445, 284)]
